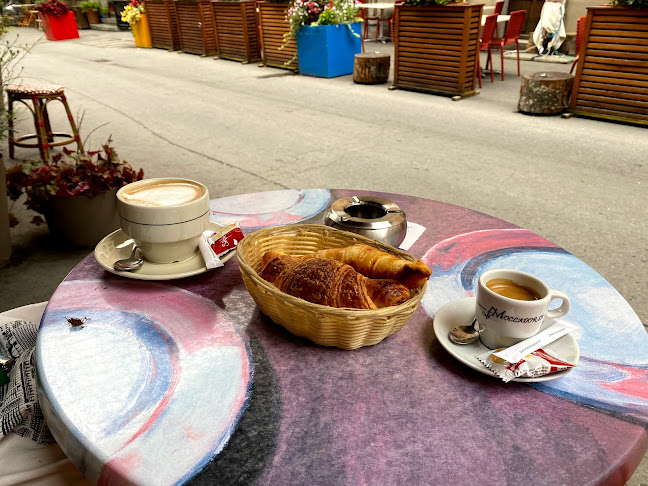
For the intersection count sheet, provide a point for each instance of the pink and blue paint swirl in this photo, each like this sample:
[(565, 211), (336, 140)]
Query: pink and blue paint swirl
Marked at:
[(165, 377)]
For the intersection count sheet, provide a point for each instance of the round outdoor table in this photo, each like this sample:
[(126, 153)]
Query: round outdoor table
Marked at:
[(187, 381)]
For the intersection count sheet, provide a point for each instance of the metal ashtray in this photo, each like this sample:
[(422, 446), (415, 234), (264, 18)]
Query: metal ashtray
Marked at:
[(373, 217)]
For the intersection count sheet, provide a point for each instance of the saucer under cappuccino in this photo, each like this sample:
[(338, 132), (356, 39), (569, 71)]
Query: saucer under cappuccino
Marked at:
[(165, 217)]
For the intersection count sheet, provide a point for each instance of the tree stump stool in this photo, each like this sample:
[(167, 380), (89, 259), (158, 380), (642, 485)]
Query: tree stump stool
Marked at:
[(545, 93), (371, 68)]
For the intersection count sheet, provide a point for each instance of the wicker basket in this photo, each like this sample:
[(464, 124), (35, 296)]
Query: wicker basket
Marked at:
[(328, 326)]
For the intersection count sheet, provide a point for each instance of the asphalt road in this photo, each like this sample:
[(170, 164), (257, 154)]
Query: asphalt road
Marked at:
[(580, 183)]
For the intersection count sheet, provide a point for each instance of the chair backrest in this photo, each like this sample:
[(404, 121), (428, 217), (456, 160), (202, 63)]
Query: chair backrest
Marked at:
[(580, 26), (514, 27), (362, 11), (499, 5), (487, 31)]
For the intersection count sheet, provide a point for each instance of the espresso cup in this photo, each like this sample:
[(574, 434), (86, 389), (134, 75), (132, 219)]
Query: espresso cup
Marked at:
[(511, 306), (165, 217)]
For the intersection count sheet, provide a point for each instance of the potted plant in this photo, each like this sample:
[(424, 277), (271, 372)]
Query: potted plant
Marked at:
[(75, 192), (274, 28), (92, 10), (237, 36), (11, 51), (135, 15), (610, 80), (79, 15), (327, 34), (436, 48), (58, 20)]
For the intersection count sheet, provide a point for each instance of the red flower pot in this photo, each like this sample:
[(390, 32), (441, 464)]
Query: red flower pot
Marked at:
[(61, 27)]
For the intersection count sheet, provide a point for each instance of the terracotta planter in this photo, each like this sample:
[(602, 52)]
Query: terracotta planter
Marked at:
[(142, 33), (82, 221), (163, 23), (197, 27), (436, 48), (611, 79), (93, 16), (272, 20), (237, 33), (80, 17)]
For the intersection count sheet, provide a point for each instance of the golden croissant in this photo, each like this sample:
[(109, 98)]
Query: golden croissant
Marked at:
[(374, 263), (329, 282)]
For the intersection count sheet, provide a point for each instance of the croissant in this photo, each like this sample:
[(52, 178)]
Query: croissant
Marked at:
[(374, 263), (329, 282)]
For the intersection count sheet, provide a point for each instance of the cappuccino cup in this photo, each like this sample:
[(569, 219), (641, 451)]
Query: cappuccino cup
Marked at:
[(511, 306), (165, 217)]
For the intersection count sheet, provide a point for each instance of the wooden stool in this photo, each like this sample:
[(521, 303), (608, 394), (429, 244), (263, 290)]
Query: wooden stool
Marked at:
[(545, 93), (40, 96), (28, 18), (371, 68)]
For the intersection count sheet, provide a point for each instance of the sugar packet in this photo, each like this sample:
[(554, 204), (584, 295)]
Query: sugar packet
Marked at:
[(215, 245), (539, 363), (528, 358)]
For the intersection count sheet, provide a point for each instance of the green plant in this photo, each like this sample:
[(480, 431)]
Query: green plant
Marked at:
[(639, 4), (54, 8), (104, 11), (10, 53), (90, 5), (317, 12), (68, 174)]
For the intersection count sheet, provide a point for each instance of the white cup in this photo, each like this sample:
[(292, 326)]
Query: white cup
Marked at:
[(504, 321), (165, 217)]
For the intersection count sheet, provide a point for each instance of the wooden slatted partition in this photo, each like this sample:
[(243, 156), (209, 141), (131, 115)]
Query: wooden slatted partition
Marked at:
[(197, 27), (163, 22), (436, 48), (272, 19), (611, 79), (237, 30)]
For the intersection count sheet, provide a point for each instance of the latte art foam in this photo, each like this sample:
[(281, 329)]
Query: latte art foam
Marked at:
[(163, 194)]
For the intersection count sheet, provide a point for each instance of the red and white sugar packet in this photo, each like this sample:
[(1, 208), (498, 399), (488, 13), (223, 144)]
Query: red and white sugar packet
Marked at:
[(540, 362), (215, 245), (528, 358)]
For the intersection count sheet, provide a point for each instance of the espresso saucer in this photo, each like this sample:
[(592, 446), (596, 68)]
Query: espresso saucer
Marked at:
[(112, 248), (461, 312)]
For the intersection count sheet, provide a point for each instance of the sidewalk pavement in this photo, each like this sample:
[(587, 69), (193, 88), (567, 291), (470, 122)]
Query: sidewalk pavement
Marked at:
[(238, 128)]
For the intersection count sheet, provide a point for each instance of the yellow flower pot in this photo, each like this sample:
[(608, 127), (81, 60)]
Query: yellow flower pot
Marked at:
[(142, 32)]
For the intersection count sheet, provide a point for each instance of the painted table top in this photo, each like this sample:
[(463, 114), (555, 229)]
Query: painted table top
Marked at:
[(187, 381)]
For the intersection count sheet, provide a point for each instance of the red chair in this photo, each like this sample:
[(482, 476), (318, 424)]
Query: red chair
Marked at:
[(511, 36), (580, 26), (486, 43), (364, 14), (499, 8), (390, 20)]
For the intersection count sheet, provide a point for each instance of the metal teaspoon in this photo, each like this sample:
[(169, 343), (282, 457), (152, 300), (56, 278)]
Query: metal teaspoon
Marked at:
[(133, 262), (464, 334)]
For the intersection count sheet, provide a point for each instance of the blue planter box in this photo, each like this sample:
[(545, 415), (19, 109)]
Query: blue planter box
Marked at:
[(328, 51)]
